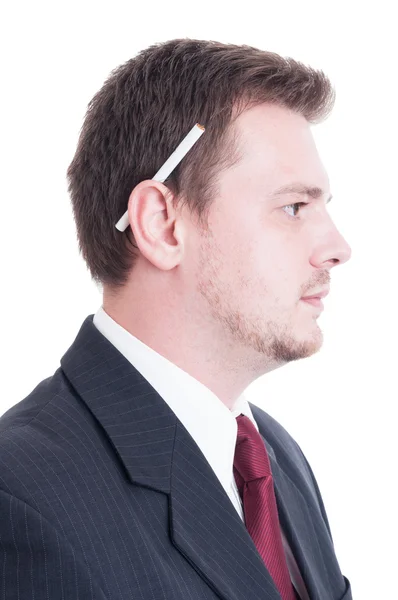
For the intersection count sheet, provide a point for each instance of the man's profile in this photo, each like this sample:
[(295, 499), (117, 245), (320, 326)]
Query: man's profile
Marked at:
[(138, 470)]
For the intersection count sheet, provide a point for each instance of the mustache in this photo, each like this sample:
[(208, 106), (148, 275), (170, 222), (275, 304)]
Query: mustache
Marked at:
[(321, 280)]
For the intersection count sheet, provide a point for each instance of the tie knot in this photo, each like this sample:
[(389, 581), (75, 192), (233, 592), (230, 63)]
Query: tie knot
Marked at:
[(251, 458)]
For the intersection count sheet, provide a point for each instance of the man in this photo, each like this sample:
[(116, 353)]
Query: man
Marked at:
[(138, 470)]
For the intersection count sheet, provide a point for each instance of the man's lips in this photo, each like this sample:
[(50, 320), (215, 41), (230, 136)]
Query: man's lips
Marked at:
[(315, 299), (320, 294)]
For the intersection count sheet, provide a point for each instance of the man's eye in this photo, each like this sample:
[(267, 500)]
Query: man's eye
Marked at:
[(296, 204)]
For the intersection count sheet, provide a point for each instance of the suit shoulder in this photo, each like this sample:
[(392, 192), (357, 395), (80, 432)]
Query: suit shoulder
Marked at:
[(34, 436), (27, 409)]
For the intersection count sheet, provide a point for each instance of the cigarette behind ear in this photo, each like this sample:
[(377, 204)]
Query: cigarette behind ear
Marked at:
[(168, 167)]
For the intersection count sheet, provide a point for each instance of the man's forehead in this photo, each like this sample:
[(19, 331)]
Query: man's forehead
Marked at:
[(282, 140), (279, 138), (270, 117)]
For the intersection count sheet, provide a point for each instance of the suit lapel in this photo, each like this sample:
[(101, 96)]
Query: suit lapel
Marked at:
[(301, 522), (298, 527), (138, 422), (158, 453), (209, 532)]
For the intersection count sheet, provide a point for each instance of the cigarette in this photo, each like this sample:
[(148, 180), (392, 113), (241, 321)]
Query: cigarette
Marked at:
[(174, 159)]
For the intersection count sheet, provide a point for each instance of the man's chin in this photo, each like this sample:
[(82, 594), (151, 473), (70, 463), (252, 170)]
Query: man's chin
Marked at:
[(311, 346), (297, 349)]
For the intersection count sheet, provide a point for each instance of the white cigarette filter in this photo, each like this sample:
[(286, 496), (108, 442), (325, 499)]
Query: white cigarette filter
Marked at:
[(168, 167)]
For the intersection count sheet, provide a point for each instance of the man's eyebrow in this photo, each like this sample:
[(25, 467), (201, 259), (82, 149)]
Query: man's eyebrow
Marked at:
[(301, 188)]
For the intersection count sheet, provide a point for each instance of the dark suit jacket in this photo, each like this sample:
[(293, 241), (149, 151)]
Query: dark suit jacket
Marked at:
[(104, 494)]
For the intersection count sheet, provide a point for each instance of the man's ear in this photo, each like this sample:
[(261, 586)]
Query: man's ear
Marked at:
[(152, 218)]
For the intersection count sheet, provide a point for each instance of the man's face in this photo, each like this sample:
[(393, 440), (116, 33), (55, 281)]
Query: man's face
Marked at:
[(257, 261)]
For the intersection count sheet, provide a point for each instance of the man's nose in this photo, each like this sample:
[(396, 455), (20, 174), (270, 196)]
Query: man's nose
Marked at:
[(332, 249)]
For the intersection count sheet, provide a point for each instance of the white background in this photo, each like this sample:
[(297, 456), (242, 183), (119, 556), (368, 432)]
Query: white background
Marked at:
[(339, 404)]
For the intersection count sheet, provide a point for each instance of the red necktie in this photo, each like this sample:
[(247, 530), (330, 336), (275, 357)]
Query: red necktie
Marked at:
[(253, 477)]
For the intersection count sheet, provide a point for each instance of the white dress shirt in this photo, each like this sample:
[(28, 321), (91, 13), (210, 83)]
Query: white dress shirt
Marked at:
[(211, 424)]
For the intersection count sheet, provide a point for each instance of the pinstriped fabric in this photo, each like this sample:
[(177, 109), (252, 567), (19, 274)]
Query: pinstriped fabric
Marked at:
[(253, 476), (104, 495), (40, 568), (93, 536)]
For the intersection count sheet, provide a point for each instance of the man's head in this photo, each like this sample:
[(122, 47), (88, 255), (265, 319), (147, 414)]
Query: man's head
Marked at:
[(216, 238)]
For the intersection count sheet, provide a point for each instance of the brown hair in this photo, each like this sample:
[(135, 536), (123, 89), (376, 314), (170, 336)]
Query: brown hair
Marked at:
[(141, 114)]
